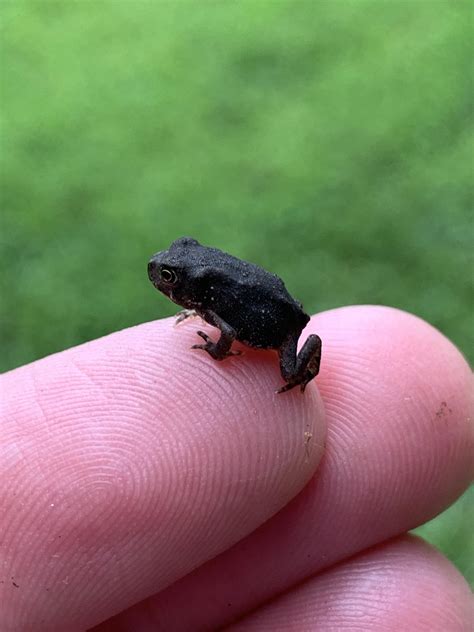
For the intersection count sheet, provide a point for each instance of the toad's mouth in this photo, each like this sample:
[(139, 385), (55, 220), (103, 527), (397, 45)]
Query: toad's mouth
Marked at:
[(169, 294)]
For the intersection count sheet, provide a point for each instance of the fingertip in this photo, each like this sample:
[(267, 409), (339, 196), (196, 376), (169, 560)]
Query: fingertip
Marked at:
[(152, 457), (399, 396), (400, 585)]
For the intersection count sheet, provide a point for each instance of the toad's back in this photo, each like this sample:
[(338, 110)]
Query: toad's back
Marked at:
[(254, 302)]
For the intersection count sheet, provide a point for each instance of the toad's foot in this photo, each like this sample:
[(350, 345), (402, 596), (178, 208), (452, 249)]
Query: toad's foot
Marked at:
[(214, 349), (184, 314), (299, 369), (287, 387)]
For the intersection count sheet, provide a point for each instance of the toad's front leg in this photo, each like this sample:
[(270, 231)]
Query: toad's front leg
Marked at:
[(184, 314), (220, 349), (301, 368)]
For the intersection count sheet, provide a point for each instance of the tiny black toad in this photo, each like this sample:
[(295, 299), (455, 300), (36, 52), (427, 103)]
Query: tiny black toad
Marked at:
[(243, 300)]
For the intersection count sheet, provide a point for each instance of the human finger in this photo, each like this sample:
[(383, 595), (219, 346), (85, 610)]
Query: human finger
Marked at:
[(398, 398), (401, 585), (127, 462)]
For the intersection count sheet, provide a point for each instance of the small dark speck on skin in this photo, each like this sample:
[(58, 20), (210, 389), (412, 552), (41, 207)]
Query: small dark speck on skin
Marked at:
[(442, 409), (16, 585)]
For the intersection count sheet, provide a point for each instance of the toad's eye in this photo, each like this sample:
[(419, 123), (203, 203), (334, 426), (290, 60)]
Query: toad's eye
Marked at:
[(168, 276)]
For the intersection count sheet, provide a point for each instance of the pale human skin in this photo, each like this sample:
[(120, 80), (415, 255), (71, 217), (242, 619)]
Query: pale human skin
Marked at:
[(140, 483)]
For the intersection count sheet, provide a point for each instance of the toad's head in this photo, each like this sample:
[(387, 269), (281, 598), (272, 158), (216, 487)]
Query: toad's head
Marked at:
[(174, 271)]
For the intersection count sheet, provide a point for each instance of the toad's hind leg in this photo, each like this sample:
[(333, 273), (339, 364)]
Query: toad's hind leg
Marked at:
[(301, 368)]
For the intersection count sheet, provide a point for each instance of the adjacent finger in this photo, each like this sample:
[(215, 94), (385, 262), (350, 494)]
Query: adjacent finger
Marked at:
[(127, 462), (402, 585), (398, 398)]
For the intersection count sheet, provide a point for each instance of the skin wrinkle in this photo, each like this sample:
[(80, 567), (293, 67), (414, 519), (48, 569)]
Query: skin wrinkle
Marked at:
[(252, 372)]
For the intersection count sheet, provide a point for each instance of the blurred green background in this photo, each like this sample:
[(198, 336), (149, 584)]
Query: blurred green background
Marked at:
[(327, 141)]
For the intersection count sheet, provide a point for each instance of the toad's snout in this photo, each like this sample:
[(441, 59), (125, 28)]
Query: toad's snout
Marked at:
[(153, 273)]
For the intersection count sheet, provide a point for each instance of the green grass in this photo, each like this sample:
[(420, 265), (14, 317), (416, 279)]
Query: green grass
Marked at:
[(328, 141)]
